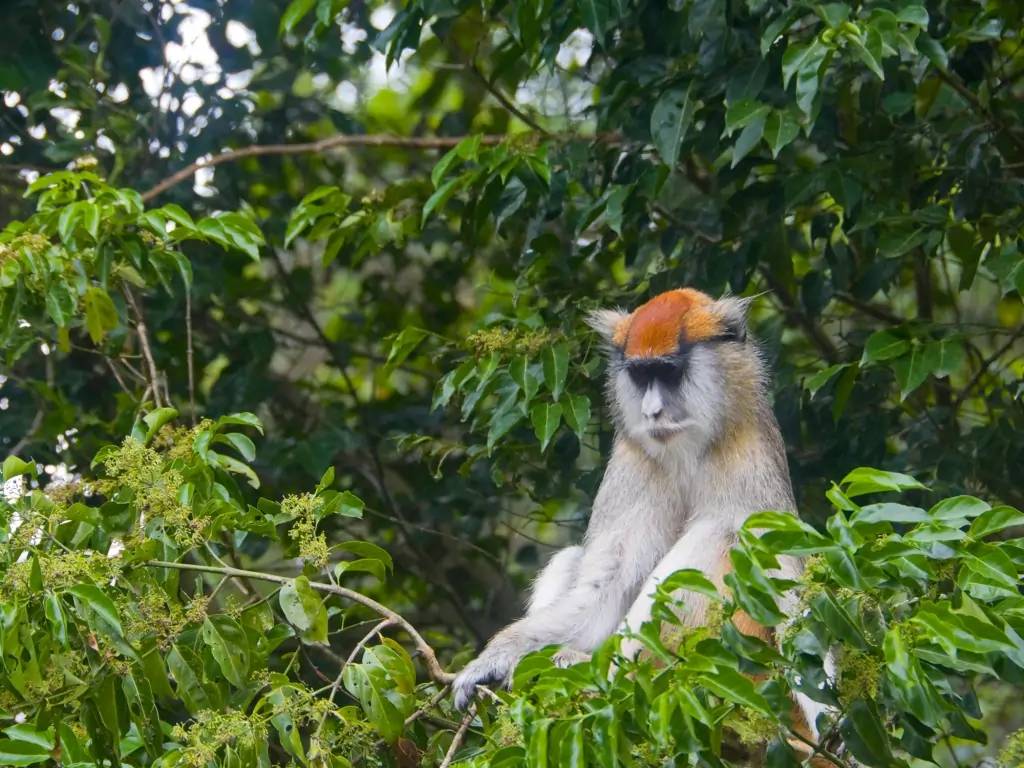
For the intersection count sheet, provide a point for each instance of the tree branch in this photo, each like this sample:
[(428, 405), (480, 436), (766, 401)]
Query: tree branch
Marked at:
[(986, 364), (434, 668), (459, 736), (345, 140), (814, 331), (147, 353)]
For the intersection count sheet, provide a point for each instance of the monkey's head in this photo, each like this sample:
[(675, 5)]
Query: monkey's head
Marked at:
[(681, 367)]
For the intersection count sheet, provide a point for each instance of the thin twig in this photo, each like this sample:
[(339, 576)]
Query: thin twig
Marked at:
[(340, 141), (37, 420), (434, 668), (431, 703), (818, 749), (986, 365), (504, 100), (29, 435), (380, 626), (189, 357), (459, 736), (814, 331), (147, 353), (331, 142)]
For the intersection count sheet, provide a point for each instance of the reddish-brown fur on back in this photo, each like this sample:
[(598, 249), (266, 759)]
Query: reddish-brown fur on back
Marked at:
[(656, 327)]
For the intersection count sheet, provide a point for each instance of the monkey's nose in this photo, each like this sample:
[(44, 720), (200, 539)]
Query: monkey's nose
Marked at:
[(652, 404)]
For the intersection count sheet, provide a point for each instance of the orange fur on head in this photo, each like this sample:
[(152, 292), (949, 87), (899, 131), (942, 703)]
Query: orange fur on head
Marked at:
[(655, 328)]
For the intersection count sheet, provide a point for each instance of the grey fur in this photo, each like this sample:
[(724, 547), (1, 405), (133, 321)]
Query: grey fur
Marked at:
[(676, 491)]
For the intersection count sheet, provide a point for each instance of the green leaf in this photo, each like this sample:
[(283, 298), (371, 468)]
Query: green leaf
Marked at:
[(440, 197), (834, 14), (915, 15), (555, 361), (545, 418), (867, 480), (293, 14), (367, 550), (67, 222), (362, 565), (995, 520), (17, 753), (229, 648), (156, 419), (403, 345), (869, 50), (823, 377), (671, 118), (883, 345), (100, 313), (186, 669), (526, 376), (967, 248), (240, 443), (780, 128), (467, 149), (304, 609), (949, 356), (865, 736), (596, 17), (736, 687), (749, 138), (15, 467), (743, 112), (244, 419), (370, 687), (345, 503), (500, 425), (576, 410), (889, 513), (571, 752), (26, 732), (913, 368), (991, 562), (55, 615), (690, 580), (99, 603), (802, 58)]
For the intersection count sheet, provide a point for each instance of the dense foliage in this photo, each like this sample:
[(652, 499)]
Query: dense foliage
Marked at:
[(372, 232)]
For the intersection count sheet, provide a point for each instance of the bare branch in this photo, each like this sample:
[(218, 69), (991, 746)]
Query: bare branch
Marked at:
[(338, 141), (986, 364), (147, 352), (459, 736), (189, 355), (342, 141), (434, 668)]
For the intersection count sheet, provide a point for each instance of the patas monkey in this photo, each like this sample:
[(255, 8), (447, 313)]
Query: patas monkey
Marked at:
[(697, 451)]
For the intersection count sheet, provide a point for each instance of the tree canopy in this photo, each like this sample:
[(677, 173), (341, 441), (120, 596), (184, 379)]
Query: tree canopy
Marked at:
[(296, 392)]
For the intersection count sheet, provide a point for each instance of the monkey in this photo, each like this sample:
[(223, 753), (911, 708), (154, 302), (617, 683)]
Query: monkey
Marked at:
[(697, 450)]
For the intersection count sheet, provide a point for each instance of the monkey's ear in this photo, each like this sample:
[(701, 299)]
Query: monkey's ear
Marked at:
[(734, 310), (611, 324)]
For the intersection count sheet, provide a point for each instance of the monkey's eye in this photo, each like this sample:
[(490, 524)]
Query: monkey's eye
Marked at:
[(667, 373)]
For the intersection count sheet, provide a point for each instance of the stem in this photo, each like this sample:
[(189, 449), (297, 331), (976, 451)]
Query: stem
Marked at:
[(340, 141), (189, 355), (147, 352), (986, 365), (459, 736), (434, 668)]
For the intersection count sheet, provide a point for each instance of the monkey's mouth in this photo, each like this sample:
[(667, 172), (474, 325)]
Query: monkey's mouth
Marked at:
[(665, 432)]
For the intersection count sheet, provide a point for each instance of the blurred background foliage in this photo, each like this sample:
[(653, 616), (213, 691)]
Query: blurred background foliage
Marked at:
[(378, 227)]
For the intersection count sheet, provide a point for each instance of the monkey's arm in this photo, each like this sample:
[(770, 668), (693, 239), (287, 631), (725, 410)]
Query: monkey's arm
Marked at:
[(578, 601)]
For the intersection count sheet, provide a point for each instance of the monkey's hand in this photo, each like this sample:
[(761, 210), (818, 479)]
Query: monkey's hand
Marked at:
[(492, 667), (567, 657)]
